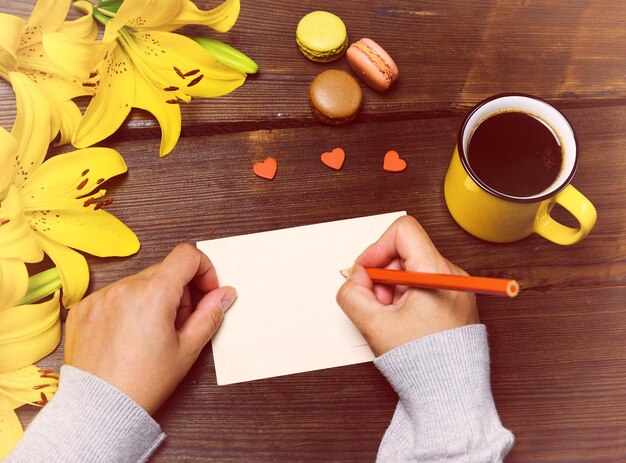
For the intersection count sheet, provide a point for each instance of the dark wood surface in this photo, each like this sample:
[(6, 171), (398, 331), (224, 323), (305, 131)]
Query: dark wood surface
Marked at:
[(558, 350)]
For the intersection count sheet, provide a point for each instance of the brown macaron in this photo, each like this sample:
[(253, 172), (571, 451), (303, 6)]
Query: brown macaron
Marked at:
[(335, 97)]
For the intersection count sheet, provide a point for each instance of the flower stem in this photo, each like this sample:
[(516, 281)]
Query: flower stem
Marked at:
[(101, 17), (110, 5), (41, 285)]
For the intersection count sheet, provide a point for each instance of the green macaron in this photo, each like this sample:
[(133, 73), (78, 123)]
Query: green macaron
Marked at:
[(322, 36)]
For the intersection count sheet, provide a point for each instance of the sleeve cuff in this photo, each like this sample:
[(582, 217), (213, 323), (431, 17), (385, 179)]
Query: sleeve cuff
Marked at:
[(439, 362), (443, 382), (89, 420)]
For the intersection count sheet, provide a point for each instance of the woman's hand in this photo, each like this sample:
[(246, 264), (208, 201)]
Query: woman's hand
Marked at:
[(143, 333), (389, 316)]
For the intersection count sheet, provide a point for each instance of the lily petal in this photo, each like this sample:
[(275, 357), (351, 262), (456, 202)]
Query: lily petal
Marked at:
[(221, 18), (72, 267), (13, 281), (32, 126), (79, 56), (55, 118), (17, 239), (111, 104), (93, 231), (8, 152), (28, 333), (84, 27), (47, 16), (70, 117), (154, 99), (35, 63), (142, 14), (62, 88), (71, 175), (10, 32), (169, 15), (11, 430)]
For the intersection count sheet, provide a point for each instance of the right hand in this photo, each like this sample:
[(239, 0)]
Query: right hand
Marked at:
[(389, 316)]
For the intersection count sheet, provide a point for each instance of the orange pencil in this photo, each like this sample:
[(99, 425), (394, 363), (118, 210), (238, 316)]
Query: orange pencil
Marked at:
[(481, 285)]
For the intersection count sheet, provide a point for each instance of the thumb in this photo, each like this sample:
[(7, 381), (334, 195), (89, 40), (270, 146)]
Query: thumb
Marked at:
[(206, 318), (357, 299)]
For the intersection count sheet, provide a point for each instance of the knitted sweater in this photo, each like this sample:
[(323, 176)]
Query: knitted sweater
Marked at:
[(445, 413)]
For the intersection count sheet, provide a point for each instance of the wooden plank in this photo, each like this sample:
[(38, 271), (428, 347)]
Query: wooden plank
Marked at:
[(450, 55), (561, 54), (557, 373)]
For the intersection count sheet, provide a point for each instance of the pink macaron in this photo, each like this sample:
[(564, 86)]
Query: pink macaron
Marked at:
[(373, 64)]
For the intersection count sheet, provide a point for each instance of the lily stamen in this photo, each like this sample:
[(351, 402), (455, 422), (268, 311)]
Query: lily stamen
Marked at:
[(82, 184), (195, 81), (51, 374), (101, 204), (43, 401), (40, 386)]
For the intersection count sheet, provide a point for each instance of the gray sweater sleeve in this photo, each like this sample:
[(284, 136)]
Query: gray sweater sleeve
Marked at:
[(445, 411), (88, 420)]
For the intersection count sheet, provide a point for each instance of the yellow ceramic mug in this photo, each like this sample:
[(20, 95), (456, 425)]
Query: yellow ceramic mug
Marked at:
[(499, 217)]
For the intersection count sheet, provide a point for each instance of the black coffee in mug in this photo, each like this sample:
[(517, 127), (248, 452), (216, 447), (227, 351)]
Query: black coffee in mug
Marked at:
[(515, 153)]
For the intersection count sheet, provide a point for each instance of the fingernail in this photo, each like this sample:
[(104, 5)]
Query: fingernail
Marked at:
[(228, 299)]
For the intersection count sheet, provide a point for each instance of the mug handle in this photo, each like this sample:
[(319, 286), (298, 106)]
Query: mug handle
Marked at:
[(577, 205)]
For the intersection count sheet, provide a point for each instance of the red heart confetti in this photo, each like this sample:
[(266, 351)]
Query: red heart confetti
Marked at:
[(393, 162), (334, 159), (266, 169)]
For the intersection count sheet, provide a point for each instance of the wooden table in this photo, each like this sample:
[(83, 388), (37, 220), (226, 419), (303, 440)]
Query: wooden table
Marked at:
[(558, 351)]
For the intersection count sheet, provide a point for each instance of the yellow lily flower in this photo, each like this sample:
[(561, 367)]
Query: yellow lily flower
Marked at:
[(28, 385), (28, 333), (51, 206), (150, 68), (23, 51)]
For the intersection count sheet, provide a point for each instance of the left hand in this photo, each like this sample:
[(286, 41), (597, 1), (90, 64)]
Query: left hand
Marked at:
[(143, 333)]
